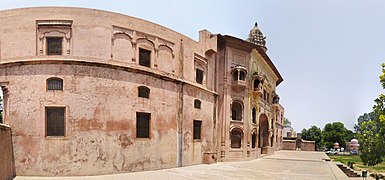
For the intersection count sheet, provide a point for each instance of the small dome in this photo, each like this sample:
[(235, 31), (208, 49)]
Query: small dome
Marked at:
[(336, 144), (256, 36), (354, 141)]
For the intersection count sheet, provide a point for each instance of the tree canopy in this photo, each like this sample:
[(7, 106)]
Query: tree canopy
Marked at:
[(372, 131), (336, 132), (286, 122)]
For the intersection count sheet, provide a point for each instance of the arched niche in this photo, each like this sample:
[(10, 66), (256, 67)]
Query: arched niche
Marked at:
[(122, 47), (165, 59)]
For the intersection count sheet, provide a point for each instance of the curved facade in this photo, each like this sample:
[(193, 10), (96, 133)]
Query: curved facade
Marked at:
[(91, 92)]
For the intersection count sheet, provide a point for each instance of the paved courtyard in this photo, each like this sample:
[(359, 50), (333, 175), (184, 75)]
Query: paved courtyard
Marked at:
[(282, 165)]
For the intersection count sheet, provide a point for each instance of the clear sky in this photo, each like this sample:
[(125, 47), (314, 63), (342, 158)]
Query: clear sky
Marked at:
[(329, 52)]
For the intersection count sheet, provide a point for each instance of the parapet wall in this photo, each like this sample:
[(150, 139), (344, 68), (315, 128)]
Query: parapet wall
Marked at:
[(291, 145), (307, 146), (7, 167)]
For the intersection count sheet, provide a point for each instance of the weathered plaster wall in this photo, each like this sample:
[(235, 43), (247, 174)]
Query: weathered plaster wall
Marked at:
[(106, 37), (7, 166), (193, 150), (101, 106)]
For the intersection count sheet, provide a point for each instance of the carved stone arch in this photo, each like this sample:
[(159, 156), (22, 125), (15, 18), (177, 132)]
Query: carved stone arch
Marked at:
[(60, 30), (147, 46), (237, 99), (121, 35), (210, 52), (146, 41), (121, 47), (165, 59), (236, 126), (236, 137), (237, 107), (164, 47), (53, 33)]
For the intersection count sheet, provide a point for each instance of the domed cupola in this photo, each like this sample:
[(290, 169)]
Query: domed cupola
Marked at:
[(256, 37)]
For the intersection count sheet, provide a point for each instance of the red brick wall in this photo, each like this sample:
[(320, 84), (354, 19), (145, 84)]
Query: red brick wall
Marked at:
[(289, 145), (307, 146)]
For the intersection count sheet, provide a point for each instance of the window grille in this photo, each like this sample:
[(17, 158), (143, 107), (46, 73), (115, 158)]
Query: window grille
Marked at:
[(55, 84), (143, 125), (55, 121), (54, 45)]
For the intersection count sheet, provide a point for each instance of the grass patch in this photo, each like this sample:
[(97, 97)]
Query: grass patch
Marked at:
[(358, 165)]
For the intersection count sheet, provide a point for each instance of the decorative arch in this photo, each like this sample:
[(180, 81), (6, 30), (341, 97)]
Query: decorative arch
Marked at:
[(146, 52), (254, 115), (253, 138), (121, 35), (54, 33), (165, 59), (146, 41), (121, 47), (239, 73), (166, 48), (236, 126), (236, 136), (237, 110), (263, 135)]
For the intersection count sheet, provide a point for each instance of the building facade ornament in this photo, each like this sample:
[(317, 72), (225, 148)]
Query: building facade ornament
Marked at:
[(256, 37)]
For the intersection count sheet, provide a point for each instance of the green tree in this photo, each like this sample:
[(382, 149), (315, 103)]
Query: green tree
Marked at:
[(314, 133), (336, 132), (372, 132), (286, 122), (364, 118)]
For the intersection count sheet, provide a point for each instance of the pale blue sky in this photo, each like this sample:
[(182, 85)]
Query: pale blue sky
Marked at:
[(328, 52)]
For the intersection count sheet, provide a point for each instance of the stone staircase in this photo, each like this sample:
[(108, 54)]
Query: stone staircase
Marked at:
[(349, 172)]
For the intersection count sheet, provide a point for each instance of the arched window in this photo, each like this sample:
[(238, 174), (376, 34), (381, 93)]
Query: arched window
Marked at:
[(242, 75), (254, 115), (55, 84), (253, 140), (236, 111), (256, 84), (236, 138), (197, 103), (143, 91), (235, 75)]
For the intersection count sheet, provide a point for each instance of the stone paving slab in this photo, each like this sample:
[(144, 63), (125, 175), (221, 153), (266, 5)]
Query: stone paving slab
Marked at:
[(286, 165)]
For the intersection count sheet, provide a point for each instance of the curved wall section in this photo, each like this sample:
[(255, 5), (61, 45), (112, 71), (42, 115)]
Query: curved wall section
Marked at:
[(94, 120)]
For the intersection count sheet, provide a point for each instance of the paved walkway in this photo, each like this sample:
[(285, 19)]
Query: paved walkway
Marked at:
[(299, 165)]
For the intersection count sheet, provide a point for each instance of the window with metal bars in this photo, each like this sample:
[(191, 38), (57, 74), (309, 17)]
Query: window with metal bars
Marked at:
[(55, 84), (55, 121), (197, 129), (54, 45), (143, 125), (144, 57)]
